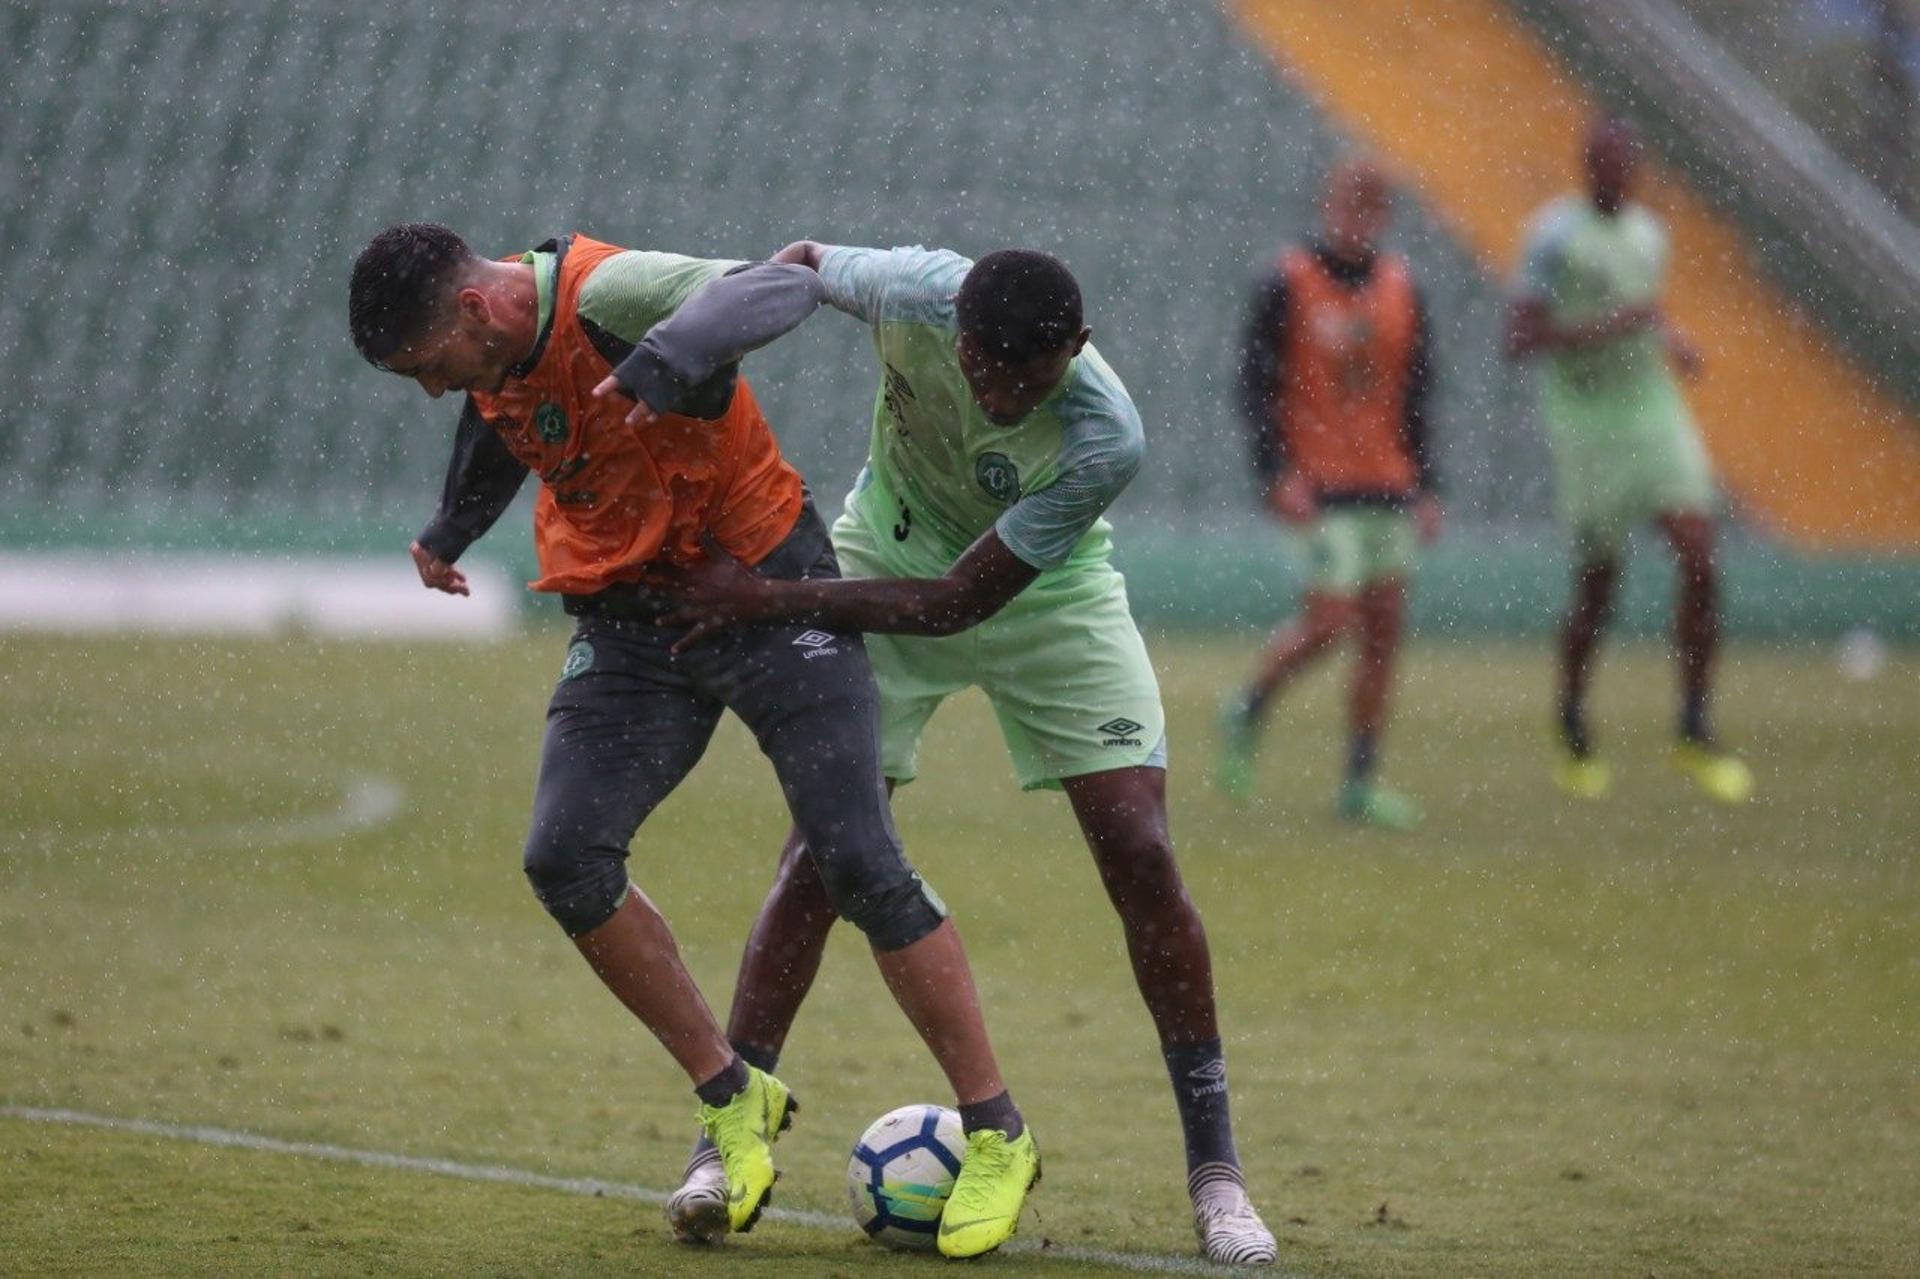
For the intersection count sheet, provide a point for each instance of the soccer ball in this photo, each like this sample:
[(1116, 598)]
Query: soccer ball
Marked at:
[(901, 1173)]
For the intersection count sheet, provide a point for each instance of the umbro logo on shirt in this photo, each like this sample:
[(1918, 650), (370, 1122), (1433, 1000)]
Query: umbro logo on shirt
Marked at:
[(817, 644), (1120, 732)]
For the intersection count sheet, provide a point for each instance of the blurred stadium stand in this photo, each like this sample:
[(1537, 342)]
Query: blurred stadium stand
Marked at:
[(1807, 139), (202, 174), (186, 185)]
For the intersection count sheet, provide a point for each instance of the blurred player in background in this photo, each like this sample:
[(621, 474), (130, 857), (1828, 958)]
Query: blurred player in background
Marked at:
[(980, 557), (1334, 381), (545, 346), (1587, 308)]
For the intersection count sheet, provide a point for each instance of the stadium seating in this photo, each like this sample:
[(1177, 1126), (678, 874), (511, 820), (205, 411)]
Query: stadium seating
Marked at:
[(199, 175)]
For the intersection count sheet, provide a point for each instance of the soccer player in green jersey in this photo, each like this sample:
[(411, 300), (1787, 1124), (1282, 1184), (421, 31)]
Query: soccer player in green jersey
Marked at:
[(977, 554), (1588, 310)]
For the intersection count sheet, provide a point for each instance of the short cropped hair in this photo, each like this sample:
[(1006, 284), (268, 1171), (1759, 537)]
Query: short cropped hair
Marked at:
[(399, 285), (1019, 304)]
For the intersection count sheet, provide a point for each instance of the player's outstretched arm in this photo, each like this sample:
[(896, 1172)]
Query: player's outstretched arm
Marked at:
[(709, 333), (723, 592)]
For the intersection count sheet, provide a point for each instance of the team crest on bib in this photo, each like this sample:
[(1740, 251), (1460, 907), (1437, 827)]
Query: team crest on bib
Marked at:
[(579, 660), (550, 423), (997, 476)]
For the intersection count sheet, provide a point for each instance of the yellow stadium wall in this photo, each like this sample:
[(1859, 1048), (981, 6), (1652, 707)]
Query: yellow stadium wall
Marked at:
[(1471, 109)]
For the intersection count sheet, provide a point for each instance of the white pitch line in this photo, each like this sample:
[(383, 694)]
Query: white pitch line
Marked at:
[(1146, 1263), (367, 800)]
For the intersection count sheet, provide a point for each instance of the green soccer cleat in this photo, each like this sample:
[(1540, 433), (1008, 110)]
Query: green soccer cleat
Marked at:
[(984, 1209), (1720, 775), (1371, 804), (744, 1130), (1581, 776), (1239, 738)]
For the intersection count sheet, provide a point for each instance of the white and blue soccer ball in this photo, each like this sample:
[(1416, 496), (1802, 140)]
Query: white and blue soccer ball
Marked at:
[(901, 1173)]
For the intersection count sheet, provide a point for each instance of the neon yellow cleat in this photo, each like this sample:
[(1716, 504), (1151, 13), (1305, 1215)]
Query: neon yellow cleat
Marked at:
[(1582, 777), (1239, 737), (984, 1209), (1719, 774), (1374, 805), (745, 1129)]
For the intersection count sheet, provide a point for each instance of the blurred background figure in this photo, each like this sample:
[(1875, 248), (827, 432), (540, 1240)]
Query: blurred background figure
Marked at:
[(1334, 373), (1588, 309)]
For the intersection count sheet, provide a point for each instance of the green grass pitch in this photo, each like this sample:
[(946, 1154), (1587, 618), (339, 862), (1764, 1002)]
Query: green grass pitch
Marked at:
[(1643, 1037)]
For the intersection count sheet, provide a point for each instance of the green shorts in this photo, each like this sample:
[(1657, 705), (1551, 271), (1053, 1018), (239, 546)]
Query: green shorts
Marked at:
[(1350, 547), (1062, 664), (1607, 484)]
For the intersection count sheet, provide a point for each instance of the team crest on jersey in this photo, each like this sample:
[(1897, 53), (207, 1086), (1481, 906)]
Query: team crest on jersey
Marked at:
[(997, 476), (550, 423), (579, 660)]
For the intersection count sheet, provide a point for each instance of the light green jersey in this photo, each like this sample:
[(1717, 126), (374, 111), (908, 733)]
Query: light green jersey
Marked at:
[(1582, 263), (939, 473)]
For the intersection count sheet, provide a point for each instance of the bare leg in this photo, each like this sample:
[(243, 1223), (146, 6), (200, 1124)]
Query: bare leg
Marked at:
[(1696, 617), (1299, 644), (1123, 814), (1382, 611), (933, 985), (930, 979), (784, 950), (783, 953), (635, 955), (1592, 609)]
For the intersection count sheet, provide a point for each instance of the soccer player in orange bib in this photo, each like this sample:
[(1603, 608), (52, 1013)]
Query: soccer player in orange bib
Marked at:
[(529, 340), (1334, 382)]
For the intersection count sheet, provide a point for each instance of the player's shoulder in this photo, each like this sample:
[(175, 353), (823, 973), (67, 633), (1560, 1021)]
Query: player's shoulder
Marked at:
[(1555, 220), (1097, 403), (634, 265), (1645, 223)]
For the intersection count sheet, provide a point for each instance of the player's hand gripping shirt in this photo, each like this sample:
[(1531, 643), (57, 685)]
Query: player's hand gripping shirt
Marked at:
[(1582, 264), (939, 473)]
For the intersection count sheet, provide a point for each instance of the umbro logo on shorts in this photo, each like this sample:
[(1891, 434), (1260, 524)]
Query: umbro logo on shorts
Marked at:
[(817, 644), (1120, 732)]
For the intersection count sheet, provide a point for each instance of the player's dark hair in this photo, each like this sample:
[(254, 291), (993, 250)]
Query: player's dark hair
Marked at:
[(399, 285), (1018, 304)]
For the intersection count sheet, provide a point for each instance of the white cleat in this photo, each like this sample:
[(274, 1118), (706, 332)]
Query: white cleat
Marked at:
[(1230, 1231), (698, 1210)]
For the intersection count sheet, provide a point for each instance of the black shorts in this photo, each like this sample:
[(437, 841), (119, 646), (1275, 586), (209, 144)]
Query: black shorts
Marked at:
[(629, 719)]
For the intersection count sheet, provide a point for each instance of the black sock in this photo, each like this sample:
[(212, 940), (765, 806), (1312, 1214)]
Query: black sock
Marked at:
[(725, 1086), (1573, 728), (1199, 1075), (1693, 717), (995, 1112), (761, 1059), (1360, 757)]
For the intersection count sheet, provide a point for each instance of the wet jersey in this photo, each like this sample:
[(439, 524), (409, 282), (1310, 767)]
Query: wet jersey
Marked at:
[(939, 473), (613, 499), (1342, 390), (1581, 264)]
